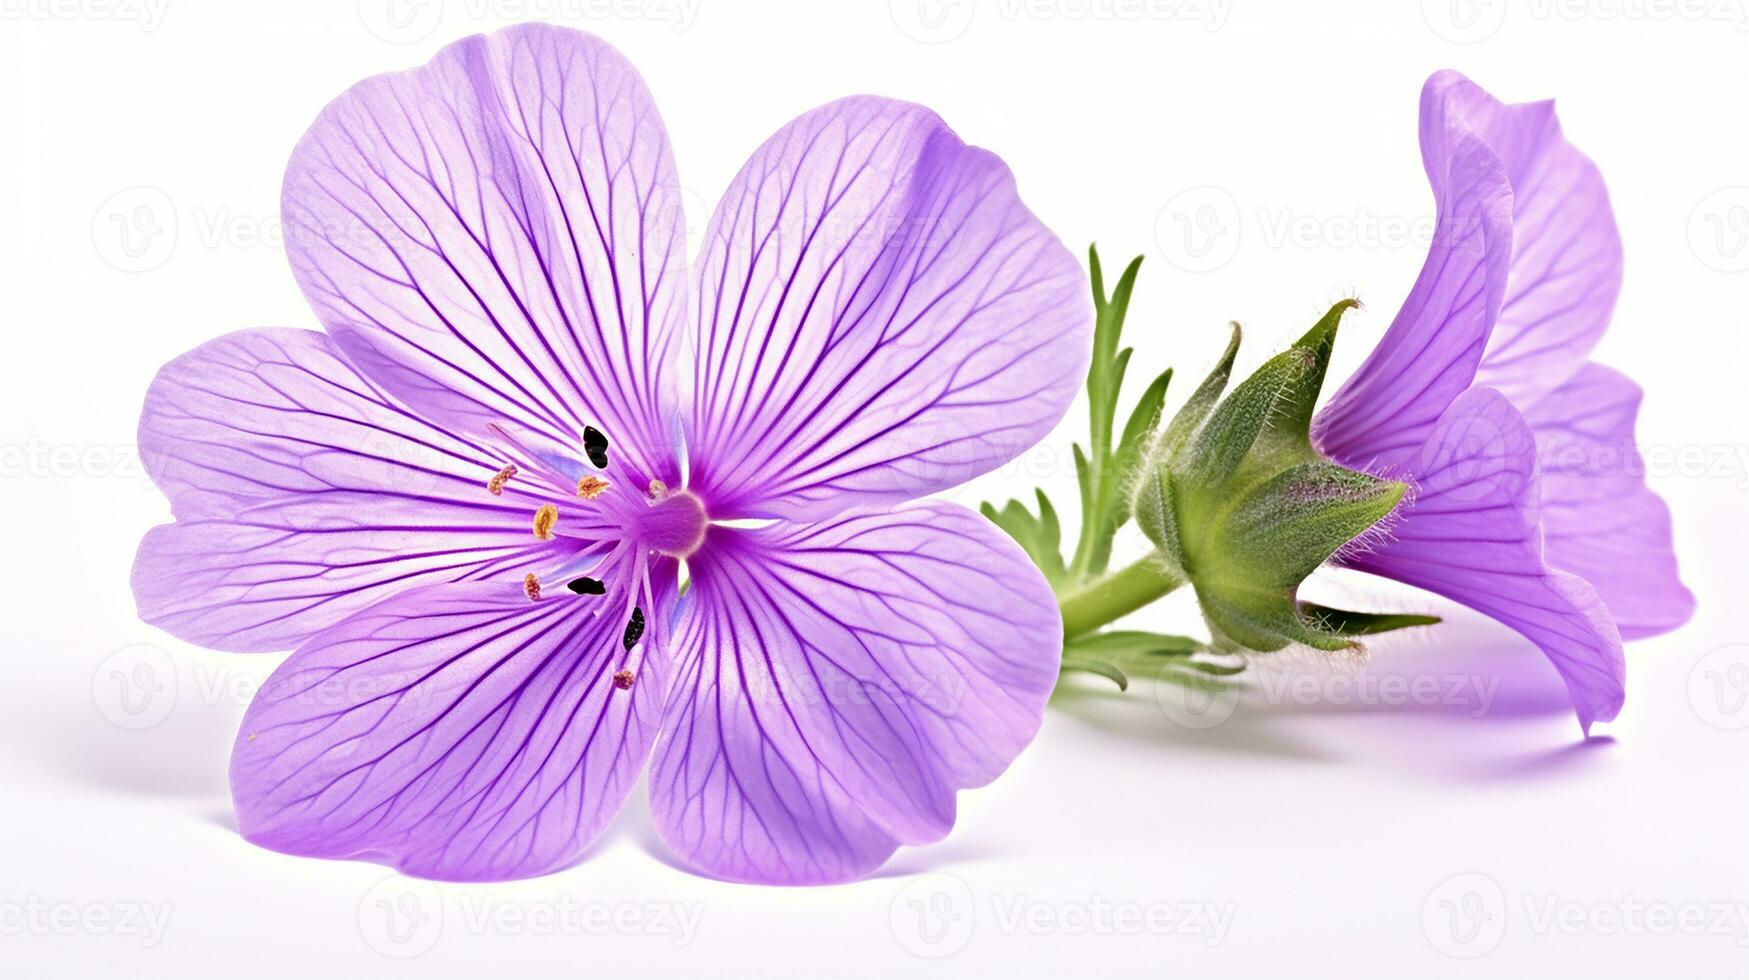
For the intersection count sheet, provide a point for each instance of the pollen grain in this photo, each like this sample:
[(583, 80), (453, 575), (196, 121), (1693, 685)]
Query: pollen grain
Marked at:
[(544, 519), (495, 485)]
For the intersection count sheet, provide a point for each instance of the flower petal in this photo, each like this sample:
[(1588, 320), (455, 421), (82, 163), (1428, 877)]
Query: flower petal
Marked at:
[(879, 317), (305, 493), (1600, 520), (457, 732), (1472, 535), (1384, 413), (1566, 252), (497, 237), (837, 683)]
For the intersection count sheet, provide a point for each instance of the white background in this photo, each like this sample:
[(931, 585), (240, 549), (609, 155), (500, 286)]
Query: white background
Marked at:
[(1340, 822)]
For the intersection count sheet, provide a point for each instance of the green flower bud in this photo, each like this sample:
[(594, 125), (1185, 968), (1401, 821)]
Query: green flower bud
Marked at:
[(1243, 508)]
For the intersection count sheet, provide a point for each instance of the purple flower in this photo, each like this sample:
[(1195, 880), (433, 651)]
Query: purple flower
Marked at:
[(468, 503), (1530, 503)]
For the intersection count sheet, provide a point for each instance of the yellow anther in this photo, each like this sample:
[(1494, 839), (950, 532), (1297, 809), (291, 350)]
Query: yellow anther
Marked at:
[(658, 489), (544, 519), (591, 487), (495, 485), (531, 587)]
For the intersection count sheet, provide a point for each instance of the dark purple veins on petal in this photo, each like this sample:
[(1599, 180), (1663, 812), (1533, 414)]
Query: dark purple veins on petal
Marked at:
[(595, 446), (587, 586), (634, 628)]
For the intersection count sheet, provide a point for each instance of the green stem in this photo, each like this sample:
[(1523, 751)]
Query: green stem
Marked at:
[(1123, 591)]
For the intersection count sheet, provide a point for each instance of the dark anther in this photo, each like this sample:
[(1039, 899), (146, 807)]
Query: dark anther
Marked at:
[(595, 446), (634, 629), (587, 586)]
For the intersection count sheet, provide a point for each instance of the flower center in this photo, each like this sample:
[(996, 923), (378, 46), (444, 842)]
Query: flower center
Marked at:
[(672, 524)]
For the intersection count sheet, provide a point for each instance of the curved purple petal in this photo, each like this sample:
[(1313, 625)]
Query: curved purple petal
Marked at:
[(1600, 520), (837, 683), (879, 317), (457, 732), (1566, 252), (304, 493), (1472, 535), (1384, 413), (497, 237)]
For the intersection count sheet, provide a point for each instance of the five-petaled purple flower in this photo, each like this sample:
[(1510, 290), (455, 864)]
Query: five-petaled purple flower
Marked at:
[(1530, 503), (468, 503)]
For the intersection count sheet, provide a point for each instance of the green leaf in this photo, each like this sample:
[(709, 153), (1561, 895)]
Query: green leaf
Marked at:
[(1040, 537), (1212, 668), (1195, 680), (1144, 420), (1289, 430), (1200, 403), (1223, 442), (1345, 623), (1121, 643), (1285, 527), (1102, 668)]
